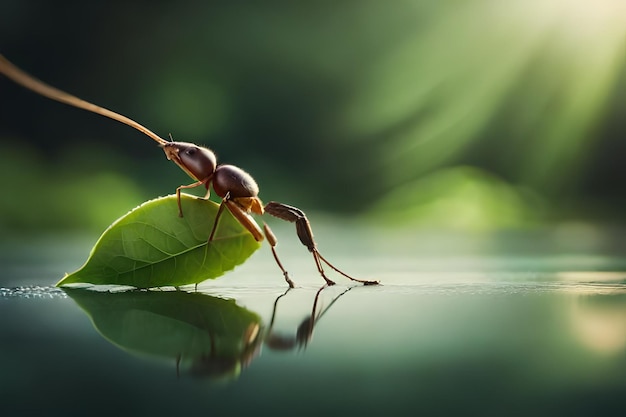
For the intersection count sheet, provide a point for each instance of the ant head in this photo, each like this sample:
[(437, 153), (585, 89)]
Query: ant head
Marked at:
[(198, 162)]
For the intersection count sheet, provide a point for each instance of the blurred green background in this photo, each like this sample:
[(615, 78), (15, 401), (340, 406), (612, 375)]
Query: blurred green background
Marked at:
[(468, 115)]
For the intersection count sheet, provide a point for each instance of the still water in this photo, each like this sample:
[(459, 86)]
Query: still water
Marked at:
[(495, 325)]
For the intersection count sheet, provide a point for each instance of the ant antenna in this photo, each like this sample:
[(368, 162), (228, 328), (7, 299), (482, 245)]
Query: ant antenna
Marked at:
[(39, 87)]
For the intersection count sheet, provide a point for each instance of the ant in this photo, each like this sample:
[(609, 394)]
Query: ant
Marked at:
[(237, 189)]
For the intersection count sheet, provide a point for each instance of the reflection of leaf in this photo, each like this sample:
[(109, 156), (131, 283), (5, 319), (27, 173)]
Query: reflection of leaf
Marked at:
[(151, 246), (206, 330)]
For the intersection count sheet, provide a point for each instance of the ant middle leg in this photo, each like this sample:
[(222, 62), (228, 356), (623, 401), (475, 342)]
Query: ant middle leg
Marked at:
[(305, 234), (271, 239), (217, 219), (240, 214), (246, 221)]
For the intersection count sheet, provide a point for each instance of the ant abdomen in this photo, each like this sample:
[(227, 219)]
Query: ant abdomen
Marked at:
[(232, 180)]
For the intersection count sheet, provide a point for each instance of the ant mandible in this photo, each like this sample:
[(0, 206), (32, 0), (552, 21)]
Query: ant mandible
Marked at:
[(237, 189)]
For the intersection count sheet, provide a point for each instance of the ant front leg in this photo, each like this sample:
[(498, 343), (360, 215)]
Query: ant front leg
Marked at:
[(305, 234), (195, 184)]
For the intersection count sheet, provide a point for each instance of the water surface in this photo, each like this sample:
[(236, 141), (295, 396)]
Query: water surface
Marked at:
[(463, 325)]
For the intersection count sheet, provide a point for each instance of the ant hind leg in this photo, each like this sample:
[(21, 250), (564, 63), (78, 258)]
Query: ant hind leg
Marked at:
[(305, 234), (362, 281)]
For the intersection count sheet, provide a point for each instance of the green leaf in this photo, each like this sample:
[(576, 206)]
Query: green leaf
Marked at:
[(152, 246), (202, 332)]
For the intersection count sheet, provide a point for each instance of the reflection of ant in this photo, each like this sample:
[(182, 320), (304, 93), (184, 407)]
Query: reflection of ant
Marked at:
[(212, 366), (236, 188), (304, 331)]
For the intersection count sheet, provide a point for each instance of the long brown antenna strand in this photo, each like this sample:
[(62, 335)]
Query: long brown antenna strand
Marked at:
[(39, 87)]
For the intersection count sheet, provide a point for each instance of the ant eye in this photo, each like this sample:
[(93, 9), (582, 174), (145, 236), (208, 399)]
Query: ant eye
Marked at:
[(191, 151)]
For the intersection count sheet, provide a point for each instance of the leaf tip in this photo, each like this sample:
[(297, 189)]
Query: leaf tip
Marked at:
[(67, 279)]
